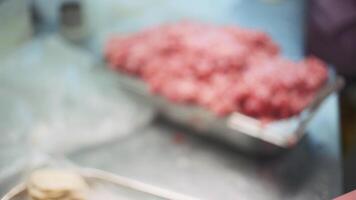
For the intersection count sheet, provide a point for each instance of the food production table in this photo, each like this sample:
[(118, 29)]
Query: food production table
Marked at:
[(167, 156), (171, 157)]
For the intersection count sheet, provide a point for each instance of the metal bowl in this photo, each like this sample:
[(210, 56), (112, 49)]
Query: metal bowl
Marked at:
[(105, 185)]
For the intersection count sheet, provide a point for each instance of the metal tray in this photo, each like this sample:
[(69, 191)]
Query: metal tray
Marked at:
[(109, 186), (240, 130)]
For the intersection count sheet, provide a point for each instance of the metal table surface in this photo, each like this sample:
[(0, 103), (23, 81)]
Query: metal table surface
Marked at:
[(167, 156), (170, 157)]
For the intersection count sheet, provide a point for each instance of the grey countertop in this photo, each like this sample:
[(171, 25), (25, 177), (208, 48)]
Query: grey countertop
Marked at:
[(172, 158), (167, 156), (164, 155)]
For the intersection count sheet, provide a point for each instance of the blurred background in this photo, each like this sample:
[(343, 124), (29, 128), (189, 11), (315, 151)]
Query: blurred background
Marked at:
[(59, 99)]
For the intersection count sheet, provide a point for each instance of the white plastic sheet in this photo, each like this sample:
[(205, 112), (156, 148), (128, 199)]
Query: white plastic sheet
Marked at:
[(74, 103)]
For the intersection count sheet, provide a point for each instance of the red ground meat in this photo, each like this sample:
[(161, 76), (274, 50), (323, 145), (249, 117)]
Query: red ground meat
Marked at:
[(222, 68)]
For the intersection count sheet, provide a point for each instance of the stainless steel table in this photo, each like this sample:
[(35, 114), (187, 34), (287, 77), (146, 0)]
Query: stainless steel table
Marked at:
[(166, 156), (170, 157)]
